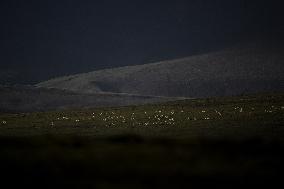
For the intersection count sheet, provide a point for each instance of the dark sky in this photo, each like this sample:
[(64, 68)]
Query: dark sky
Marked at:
[(43, 39)]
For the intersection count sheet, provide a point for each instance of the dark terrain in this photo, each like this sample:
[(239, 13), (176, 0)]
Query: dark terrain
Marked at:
[(147, 126), (229, 142)]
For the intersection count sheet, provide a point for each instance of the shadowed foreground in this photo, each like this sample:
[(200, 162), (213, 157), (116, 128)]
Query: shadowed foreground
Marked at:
[(134, 162)]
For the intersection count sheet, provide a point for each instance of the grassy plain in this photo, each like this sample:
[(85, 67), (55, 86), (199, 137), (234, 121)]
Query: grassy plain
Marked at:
[(232, 142)]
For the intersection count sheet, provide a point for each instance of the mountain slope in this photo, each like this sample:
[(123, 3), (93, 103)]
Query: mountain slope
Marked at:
[(234, 71), (30, 99)]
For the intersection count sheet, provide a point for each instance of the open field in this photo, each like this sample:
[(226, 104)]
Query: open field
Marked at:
[(232, 141), (251, 116)]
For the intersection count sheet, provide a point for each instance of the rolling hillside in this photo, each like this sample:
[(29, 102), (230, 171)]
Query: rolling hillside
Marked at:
[(31, 99), (234, 71)]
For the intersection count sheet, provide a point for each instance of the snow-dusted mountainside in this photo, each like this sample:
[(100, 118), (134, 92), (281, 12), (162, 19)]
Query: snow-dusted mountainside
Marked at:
[(239, 70)]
